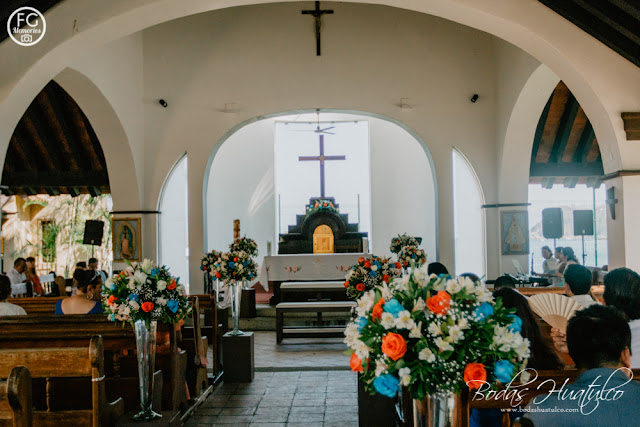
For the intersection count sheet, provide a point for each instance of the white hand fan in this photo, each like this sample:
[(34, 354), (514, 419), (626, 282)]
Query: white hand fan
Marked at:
[(554, 309)]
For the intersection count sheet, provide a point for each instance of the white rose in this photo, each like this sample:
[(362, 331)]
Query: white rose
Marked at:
[(374, 268), (162, 285)]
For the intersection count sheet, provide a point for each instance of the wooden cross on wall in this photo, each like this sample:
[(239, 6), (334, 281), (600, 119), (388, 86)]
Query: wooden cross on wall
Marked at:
[(321, 158), (317, 14)]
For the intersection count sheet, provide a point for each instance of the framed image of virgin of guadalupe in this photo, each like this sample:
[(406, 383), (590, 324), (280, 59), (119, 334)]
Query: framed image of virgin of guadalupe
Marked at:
[(126, 239), (515, 232)]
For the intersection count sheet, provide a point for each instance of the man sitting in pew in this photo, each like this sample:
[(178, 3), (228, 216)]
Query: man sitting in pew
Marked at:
[(83, 302), (8, 309), (599, 341)]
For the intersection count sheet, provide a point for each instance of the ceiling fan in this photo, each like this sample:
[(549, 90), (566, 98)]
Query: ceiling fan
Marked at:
[(317, 129)]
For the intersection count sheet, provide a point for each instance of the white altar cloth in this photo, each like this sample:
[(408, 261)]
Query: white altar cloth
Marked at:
[(282, 268)]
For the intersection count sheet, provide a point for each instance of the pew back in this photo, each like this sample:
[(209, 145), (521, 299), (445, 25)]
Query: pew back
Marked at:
[(15, 399)]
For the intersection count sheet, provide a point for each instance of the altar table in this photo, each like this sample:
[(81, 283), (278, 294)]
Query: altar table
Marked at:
[(301, 267)]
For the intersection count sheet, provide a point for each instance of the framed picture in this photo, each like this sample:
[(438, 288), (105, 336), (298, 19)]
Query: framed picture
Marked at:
[(515, 232), (126, 239)]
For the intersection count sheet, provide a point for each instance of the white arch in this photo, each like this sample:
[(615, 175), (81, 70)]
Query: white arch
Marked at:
[(110, 133), (398, 123), (532, 27), (458, 220)]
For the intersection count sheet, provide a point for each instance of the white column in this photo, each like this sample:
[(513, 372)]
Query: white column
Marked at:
[(623, 232)]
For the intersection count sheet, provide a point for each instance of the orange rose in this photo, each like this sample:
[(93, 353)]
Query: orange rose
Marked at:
[(386, 278), (367, 264), (356, 363), (360, 260), (218, 275), (171, 286), (147, 306), (360, 287), (235, 259), (376, 313), (346, 284), (112, 299), (398, 265), (394, 346), (475, 375), (439, 303)]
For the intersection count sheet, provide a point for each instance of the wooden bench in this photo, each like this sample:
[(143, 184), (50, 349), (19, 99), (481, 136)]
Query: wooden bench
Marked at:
[(310, 307), (37, 306), (82, 361), (20, 332), (16, 408), (321, 290)]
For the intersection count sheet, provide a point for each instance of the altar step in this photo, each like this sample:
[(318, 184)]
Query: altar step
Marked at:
[(266, 319)]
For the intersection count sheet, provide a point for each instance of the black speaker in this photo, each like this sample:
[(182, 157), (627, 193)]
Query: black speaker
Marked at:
[(93, 231), (583, 223), (552, 225)]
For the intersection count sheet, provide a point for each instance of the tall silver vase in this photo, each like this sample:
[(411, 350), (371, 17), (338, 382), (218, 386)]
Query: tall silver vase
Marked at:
[(437, 410), (146, 345), (236, 297)]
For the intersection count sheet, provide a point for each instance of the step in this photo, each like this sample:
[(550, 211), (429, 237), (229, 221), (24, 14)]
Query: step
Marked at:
[(319, 305), (312, 286)]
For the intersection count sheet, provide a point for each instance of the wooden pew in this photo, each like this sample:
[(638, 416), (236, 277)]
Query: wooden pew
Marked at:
[(196, 346), (16, 407), (38, 306), (212, 328), (82, 361), (119, 345)]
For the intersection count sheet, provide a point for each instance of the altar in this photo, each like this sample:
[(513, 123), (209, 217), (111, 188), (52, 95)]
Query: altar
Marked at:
[(306, 267)]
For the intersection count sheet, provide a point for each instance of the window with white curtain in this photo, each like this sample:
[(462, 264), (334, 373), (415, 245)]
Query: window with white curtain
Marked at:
[(469, 233), (173, 240)]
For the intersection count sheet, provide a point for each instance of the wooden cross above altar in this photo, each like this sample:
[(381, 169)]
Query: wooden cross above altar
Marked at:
[(321, 158)]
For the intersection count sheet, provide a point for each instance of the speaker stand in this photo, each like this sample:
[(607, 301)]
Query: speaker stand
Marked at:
[(584, 257)]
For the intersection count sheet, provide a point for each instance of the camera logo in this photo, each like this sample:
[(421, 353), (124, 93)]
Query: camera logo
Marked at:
[(26, 26)]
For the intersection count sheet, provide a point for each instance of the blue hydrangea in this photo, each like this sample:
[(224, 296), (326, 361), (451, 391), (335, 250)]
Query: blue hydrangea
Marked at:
[(387, 385), (483, 311), (394, 307), (173, 305), (362, 322), (232, 264), (134, 297), (516, 325), (373, 274), (112, 286), (503, 371)]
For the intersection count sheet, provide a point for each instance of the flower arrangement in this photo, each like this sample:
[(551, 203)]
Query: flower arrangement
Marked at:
[(411, 254), (368, 273), (208, 260), (145, 292), (232, 266), (245, 244), (434, 334), (397, 243), (321, 205)]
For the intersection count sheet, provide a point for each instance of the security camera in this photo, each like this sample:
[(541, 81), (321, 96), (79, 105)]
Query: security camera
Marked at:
[(474, 98), (164, 103)]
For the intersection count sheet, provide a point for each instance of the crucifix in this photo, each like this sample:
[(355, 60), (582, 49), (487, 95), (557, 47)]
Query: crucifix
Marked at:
[(317, 14), (321, 158)]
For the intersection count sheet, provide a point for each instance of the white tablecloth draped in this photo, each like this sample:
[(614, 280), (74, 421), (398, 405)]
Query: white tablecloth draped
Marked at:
[(284, 268)]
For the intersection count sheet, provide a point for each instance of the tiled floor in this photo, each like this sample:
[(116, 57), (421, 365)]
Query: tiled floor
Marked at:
[(299, 353), (307, 398)]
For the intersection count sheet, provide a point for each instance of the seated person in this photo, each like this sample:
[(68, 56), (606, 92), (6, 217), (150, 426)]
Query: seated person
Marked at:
[(473, 277), (622, 291), (8, 309), (504, 282), (550, 267), (437, 269), (577, 284), (89, 285), (599, 342)]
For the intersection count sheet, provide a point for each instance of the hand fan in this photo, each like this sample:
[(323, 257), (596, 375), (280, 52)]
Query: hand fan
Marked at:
[(554, 309)]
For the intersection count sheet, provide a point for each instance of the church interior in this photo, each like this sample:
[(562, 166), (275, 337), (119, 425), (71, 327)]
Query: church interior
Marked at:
[(495, 141)]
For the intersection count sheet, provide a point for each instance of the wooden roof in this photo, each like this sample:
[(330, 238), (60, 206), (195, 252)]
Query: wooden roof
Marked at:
[(615, 23), (54, 149), (565, 148)]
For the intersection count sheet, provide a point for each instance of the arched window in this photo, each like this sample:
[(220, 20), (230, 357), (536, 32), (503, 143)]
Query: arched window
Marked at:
[(470, 254), (173, 240)]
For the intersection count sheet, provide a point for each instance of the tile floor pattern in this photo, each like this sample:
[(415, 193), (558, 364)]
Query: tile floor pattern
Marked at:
[(307, 398), (298, 353)]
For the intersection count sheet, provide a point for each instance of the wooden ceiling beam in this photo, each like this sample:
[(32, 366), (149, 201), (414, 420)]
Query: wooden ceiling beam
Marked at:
[(74, 191), (82, 126), (584, 144), (571, 181), (34, 120), (56, 179), (566, 169), (564, 129), (548, 182), (54, 110), (632, 125), (22, 147), (540, 130)]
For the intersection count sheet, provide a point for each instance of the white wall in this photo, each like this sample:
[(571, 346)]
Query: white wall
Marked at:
[(241, 185)]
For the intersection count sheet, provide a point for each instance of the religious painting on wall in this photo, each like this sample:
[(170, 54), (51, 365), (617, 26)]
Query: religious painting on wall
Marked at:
[(126, 239), (515, 232)]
